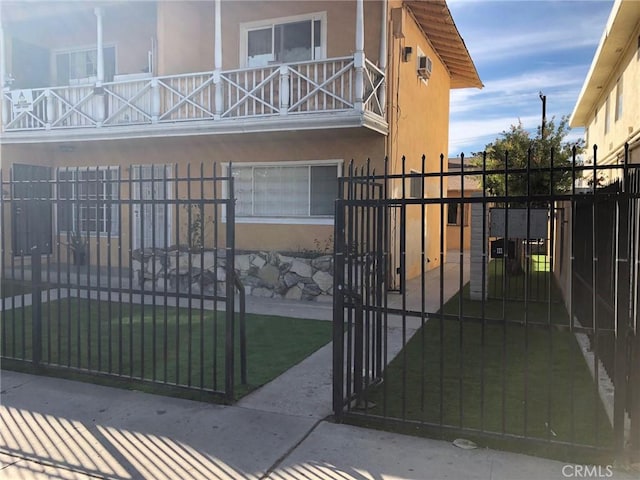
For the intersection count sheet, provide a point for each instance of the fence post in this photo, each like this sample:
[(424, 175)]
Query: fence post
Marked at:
[(36, 305), (338, 310), (622, 298), (230, 291)]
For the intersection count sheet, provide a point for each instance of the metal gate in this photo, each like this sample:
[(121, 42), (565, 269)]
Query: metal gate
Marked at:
[(132, 286), (524, 336)]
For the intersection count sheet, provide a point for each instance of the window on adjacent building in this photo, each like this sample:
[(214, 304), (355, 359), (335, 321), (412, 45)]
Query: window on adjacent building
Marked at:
[(415, 185), (81, 66), (84, 200), (287, 190), (607, 116), (296, 39), (456, 213), (619, 99)]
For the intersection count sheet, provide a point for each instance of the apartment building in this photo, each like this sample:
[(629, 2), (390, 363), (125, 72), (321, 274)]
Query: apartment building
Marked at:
[(287, 92)]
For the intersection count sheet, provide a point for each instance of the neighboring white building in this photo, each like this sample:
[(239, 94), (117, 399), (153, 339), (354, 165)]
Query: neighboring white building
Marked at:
[(609, 104)]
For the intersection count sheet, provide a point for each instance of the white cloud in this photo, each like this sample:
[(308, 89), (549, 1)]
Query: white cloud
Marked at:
[(563, 83)]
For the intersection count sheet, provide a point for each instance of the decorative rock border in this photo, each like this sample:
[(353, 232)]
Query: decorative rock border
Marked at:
[(263, 274)]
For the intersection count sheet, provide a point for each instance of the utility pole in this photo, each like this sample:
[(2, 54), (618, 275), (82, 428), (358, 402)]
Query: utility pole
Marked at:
[(544, 114)]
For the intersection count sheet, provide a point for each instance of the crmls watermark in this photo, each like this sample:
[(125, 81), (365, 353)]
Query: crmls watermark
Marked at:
[(587, 471)]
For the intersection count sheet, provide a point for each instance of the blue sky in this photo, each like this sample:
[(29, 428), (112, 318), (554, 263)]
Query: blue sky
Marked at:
[(521, 48)]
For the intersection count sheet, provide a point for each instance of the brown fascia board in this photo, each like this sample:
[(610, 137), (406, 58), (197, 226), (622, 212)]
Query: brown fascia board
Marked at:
[(434, 17)]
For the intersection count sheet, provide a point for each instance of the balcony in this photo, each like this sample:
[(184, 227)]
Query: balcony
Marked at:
[(316, 94)]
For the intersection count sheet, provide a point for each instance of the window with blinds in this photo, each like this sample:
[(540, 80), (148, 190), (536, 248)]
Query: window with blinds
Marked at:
[(293, 191)]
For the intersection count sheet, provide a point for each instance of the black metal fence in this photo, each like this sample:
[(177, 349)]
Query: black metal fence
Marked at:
[(122, 272), (504, 342)]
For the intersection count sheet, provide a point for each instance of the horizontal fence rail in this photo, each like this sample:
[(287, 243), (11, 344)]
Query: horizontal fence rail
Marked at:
[(506, 315), (298, 88), (126, 273)]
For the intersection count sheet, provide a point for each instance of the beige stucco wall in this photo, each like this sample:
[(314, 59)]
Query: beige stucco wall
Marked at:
[(186, 30), (128, 27), (357, 144), (419, 124), (628, 125)]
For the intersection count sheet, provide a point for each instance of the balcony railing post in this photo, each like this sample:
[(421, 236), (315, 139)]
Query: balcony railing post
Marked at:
[(49, 113), (155, 100), (6, 107), (284, 89), (358, 62), (219, 94)]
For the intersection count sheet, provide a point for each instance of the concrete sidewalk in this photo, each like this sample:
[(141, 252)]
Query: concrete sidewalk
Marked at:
[(59, 429)]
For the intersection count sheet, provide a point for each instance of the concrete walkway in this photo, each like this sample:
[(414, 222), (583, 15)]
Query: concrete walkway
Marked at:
[(59, 429)]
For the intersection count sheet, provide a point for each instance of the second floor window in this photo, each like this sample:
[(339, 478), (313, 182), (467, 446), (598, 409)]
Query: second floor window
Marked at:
[(297, 39), (81, 66)]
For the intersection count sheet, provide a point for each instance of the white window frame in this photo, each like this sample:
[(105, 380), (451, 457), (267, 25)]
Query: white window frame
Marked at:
[(285, 220), (619, 99), (76, 49), (115, 184), (245, 28), (607, 114)]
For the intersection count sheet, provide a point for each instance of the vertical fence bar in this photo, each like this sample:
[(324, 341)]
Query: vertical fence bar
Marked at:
[(3, 251), (483, 301), (189, 278), (423, 293), (230, 290), (403, 285), (216, 279), (441, 296), (177, 280), (201, 226), (36, 305), (338, 303), (154, 244), (594, 290), (527, 286), (622, 302)]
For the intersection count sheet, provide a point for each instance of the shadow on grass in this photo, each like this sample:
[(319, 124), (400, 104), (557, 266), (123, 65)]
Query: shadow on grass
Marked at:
[(169, 346), (498, 368)]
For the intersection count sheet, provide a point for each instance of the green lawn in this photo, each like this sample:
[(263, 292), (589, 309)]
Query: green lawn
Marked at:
[(176, 349), (533, 375)]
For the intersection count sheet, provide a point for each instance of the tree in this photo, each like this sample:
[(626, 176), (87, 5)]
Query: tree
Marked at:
[(519, 148)]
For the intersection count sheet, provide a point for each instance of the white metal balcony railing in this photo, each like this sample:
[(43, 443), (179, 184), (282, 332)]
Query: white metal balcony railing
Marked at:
[(292, 89)]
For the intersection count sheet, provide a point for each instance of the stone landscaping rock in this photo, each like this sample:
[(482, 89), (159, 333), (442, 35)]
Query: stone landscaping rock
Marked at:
[(264, 274), (242, 263), (301, 268), (258, 261), (269, 274), (253, 281), (291, 279), (311, 290), (324, 263), (294, 293), (324, 280)]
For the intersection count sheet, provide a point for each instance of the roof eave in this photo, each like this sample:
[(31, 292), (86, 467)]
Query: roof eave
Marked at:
[(619, 27)]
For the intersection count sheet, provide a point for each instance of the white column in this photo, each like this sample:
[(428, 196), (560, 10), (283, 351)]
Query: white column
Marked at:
[(3, 75), (3, 57), (284, 89), (217, 61), (383, 56), (155, 100), (358, 57), (479, 251), (100, 46)]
